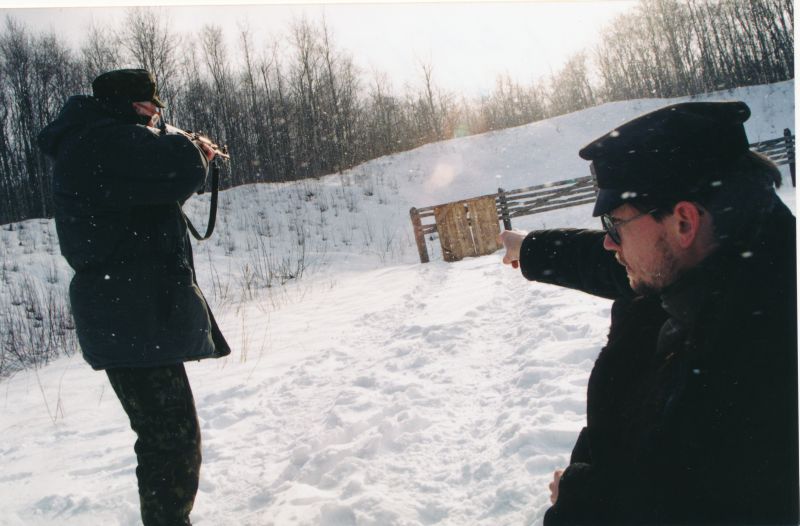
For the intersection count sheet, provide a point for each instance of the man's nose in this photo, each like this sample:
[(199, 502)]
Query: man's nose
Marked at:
[(609, 244)]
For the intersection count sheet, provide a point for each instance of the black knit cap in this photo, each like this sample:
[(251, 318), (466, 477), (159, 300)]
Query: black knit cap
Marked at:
[(137, 85), (674, 150)]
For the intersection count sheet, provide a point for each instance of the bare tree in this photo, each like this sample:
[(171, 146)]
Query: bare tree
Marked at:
[(279, 113), (666, 48), (511, 104), (147, 38), (304, 77), (386, 123), (431, 113), (570, 89), (100, 51), (37, 74)]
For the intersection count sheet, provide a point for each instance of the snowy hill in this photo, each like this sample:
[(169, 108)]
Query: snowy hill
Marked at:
[(364, 388)]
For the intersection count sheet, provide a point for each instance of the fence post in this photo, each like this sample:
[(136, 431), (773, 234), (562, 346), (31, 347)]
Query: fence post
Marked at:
[(416, 223), (594, 179), (504, 209), (787, 135)]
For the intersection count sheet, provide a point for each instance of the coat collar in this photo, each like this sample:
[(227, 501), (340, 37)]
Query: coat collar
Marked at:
[(690, 296)]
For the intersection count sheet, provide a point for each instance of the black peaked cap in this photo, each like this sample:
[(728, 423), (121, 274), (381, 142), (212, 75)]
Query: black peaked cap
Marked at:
[(137, 85), (670, 151)]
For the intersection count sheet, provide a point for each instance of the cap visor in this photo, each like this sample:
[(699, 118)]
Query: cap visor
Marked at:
[(607, 200)]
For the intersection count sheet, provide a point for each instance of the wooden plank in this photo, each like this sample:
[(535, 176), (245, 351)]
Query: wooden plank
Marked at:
[(419, 236), (555, 198), (485, 228), (772, 150), (550, 185), (538, 191), (774, 156), (454, 233), (549, 208), (562, 199), (546, 202), (777, 158), (768, 142), (549, 191), (547, 195), (555, 195)]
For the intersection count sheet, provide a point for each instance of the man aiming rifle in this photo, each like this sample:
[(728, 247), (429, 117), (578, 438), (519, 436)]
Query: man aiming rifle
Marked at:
[(118, 188)]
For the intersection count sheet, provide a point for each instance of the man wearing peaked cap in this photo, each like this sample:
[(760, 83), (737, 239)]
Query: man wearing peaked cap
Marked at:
[(118, 186), (692, 413), (131, 84)]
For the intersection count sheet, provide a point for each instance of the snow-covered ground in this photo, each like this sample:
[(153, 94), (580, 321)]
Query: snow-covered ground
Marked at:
[(374, 390)]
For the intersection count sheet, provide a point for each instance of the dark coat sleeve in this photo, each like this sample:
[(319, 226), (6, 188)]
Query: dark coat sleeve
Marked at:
[(574, 259), (130, 165), (582, 498)]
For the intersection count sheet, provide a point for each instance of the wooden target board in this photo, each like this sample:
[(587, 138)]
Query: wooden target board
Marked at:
[(485, 227), (467, 228)]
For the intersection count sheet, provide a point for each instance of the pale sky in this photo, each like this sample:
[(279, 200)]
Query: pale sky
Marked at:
[(468, 43)]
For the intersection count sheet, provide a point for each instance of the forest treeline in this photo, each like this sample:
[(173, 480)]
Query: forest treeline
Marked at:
[(300, 108)]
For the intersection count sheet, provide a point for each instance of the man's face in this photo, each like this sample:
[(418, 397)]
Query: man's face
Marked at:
[(644, 249), (147, 109)]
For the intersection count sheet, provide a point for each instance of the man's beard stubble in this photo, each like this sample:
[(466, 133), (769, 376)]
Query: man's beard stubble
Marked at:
[(656, 279)]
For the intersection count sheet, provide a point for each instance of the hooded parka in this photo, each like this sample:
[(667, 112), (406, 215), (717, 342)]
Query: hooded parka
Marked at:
[(118, 188)]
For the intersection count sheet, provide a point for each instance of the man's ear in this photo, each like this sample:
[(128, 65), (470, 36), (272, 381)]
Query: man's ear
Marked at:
[(686, 217)]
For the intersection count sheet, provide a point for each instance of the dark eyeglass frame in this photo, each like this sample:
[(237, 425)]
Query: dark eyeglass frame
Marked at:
[(611, 224)]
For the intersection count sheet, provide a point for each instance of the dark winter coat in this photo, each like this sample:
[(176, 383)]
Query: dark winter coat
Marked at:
[(692, 414), (118, 188)]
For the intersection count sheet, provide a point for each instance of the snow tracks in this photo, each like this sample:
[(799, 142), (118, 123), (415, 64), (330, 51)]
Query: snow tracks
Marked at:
[(423, 394)]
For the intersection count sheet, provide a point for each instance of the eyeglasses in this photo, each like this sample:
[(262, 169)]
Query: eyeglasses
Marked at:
[(611, 224)]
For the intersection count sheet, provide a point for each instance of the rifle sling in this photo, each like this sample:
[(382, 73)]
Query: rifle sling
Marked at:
[(212, 216)]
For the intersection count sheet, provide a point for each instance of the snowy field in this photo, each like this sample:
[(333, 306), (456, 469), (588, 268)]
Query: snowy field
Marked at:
[(364, 388)]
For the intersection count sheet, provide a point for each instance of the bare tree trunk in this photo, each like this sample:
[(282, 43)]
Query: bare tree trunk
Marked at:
[(433, 116), (147, 38)]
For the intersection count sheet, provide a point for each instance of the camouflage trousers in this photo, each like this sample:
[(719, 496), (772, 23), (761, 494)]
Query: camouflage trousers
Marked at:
[(159, 403)]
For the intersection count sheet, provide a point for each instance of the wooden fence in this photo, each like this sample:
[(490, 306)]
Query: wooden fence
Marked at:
[(467, 219), (468, 228), (781, 151), (543, 198)]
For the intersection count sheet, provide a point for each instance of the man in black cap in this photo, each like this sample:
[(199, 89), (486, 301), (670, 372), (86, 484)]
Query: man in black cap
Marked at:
[(692, 414), (139, 314)]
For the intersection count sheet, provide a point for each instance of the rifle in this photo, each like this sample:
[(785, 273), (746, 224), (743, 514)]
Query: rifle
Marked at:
[(219, 152)]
